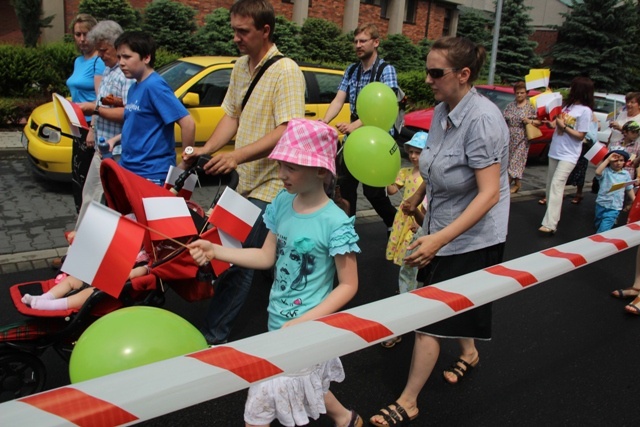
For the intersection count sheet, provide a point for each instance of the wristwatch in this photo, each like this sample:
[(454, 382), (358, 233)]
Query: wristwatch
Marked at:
[(96, 111)]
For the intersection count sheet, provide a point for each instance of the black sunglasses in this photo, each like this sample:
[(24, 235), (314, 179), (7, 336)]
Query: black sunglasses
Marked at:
[(437, 73)]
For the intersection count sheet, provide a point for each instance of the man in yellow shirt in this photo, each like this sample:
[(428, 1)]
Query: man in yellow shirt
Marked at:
[(276, 99)]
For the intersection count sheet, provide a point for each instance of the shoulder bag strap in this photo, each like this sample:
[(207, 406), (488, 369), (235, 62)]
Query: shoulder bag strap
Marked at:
[(255, 81)]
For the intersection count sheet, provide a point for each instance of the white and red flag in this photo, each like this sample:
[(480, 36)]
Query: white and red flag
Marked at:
[(189, 184), (168, 217), (596, 153), (234, 215), (70, 117), (104, 249), (548, 105)]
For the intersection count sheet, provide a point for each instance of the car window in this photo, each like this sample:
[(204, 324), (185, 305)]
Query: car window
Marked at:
[(327, 86), (177, 73), (212, 88), (501, 99), (604, 105)]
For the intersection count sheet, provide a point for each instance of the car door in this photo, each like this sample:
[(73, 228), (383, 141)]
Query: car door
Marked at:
[(203, 100), (322, 86)]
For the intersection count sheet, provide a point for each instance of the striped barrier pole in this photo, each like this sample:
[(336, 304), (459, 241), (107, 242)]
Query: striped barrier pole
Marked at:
[(153, 390)]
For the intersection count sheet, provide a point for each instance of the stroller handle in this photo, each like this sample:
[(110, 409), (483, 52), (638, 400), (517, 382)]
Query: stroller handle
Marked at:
[(230, 179)]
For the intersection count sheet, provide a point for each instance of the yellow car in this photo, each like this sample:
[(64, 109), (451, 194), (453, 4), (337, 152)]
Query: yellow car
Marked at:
[(201, 84)]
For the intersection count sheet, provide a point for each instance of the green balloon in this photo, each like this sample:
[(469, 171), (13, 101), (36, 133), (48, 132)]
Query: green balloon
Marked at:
[(377, 105), (372, 156), (132, 337)]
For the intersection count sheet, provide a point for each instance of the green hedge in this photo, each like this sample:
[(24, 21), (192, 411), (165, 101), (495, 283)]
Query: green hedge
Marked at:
[(27, 72)]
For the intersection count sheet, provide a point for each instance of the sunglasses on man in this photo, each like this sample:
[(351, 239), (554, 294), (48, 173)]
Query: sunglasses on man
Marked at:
[(437, 73)]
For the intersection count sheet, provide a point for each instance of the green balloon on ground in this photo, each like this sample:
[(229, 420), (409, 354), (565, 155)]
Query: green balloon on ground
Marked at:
[(132, 337), (372, 156), (377, 105)]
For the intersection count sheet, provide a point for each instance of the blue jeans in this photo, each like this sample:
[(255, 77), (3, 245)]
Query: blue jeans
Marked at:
[(232, 288), (605, 218)]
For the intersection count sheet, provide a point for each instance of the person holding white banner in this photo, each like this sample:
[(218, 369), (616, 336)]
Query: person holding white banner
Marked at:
[(310, 240), (571, 126)]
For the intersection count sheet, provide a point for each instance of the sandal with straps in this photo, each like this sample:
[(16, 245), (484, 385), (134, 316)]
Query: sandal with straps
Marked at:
[(460, 369), (356, 420), (394, 417), (625, 293)]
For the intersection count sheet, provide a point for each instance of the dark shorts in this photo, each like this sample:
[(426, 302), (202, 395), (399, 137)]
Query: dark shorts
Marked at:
[(474, 323)]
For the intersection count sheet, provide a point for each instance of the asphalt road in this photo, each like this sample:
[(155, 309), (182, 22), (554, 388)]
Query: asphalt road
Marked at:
[(564, 353)]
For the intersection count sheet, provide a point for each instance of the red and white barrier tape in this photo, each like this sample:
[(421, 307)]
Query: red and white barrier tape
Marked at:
[(150, 391)]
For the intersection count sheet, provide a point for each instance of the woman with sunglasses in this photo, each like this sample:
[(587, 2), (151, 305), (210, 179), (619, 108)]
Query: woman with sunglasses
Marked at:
[(464, 168)]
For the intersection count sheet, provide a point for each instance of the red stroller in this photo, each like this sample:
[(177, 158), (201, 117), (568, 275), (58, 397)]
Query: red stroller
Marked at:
[(21, 344)]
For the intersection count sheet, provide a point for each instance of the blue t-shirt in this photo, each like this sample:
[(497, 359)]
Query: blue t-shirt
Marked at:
[(615, 199), (148, 142), (307, 243), (81, 84)]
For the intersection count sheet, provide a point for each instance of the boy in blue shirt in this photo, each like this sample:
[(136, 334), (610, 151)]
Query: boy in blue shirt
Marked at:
[(148, 143), (609, 204)]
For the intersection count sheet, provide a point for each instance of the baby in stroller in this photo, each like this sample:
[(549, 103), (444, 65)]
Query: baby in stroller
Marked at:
[(70, 292)]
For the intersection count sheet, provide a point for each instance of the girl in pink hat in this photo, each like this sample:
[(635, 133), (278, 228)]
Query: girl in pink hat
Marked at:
[(310, 240)]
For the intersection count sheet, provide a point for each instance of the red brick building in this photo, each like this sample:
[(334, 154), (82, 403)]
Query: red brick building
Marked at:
[(420, 18)]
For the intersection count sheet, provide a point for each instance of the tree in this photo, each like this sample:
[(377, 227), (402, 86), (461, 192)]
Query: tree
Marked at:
[(172, 25), (515, 51), (29, 13), (114, 10), (287, 38), (215, 37), (398, 50), (475, 26), (321, 40), (599, 39)]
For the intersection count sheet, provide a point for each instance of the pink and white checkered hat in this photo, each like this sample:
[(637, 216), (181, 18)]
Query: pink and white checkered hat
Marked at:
[(308, 143)]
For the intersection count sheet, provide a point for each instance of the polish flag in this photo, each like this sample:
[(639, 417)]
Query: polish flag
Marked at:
[(548, 105), (70, 117), (104, 249), (168, 217), (234, 215), (596, 153), (537, 78), (219, 237), (188, 186)]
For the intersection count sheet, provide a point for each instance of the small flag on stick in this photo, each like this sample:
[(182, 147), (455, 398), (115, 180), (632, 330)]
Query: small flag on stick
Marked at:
[(537, 77), (169, 216), (234, 215), (189, 184), (104, 249), (70, 117), (596, 153)]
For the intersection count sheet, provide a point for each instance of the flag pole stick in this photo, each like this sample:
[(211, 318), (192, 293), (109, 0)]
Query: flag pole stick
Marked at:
[(165, 236)]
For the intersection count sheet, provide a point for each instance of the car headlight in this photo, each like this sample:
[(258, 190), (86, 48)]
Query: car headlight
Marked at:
[(49, 134)]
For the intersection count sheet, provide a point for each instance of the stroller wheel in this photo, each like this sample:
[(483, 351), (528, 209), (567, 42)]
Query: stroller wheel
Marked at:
[(21, 374)]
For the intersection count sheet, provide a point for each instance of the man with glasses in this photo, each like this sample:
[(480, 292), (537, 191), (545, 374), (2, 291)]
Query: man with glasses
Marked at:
[(366, 40)]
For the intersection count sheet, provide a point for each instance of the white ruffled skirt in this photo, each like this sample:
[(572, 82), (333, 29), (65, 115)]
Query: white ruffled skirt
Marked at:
[(293, 398)]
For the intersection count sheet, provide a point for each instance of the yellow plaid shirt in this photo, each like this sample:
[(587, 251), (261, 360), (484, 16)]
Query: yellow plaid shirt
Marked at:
[(276, 99)]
